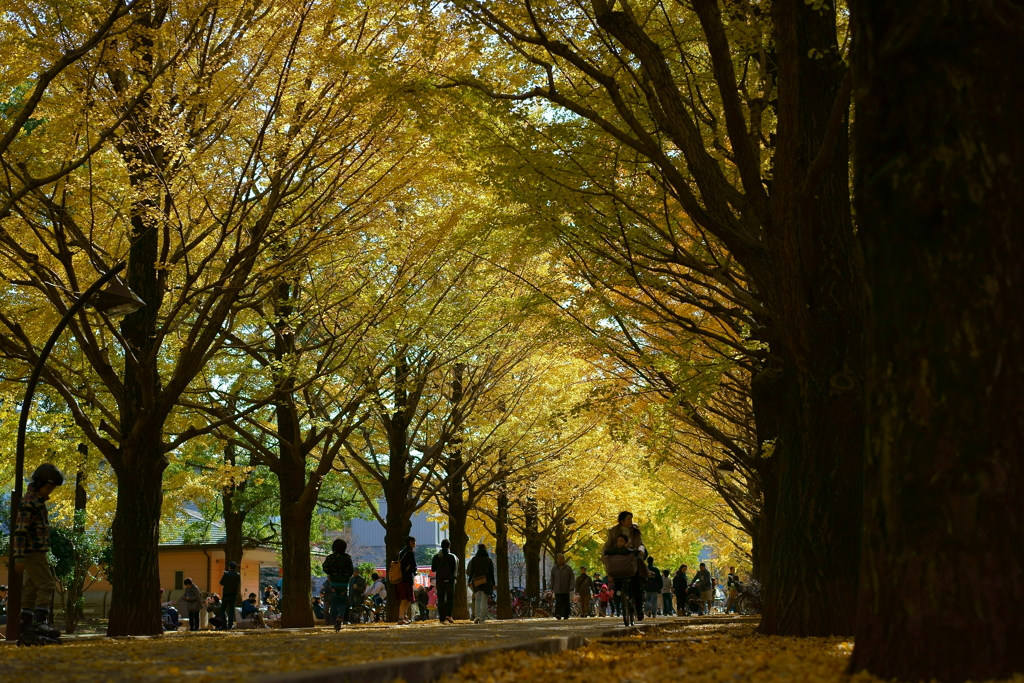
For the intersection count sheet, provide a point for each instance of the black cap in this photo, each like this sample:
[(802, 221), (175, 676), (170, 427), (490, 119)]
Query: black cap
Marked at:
[(48, 474)]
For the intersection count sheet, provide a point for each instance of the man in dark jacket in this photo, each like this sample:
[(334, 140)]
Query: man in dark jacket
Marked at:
[(652, 588), (562, 582), (338, 567), (679, 584), (232, 582), (445, 565)]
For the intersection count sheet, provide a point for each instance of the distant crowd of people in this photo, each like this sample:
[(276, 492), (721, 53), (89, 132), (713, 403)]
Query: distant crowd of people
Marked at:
[(347, 597)]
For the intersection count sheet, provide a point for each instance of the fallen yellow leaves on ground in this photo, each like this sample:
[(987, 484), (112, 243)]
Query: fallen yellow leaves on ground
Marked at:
[(688, 654), (214, 656)]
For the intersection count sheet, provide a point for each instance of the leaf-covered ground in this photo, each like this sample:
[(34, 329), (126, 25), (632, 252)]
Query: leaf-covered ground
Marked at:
[(692, 654), (212, 656)]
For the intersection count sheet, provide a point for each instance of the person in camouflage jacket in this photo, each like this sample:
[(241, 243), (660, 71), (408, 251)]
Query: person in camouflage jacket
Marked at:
[(31, 542), (338, 567)]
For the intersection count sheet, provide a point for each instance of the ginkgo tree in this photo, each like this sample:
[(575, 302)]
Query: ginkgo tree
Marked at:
[(254, 138), (736, 117)]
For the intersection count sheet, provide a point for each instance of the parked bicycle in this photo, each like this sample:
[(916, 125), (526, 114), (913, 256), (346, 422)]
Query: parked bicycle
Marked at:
[(748, 602)]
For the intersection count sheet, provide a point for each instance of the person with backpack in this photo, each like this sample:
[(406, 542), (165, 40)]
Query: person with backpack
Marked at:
[(338, 567), (480, 573), (232, 582), (652, 588), (445, 565), (31, 540), (403, 578)]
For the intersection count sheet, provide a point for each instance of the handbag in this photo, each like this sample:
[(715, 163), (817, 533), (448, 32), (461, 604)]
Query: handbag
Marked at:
[(479, 581)]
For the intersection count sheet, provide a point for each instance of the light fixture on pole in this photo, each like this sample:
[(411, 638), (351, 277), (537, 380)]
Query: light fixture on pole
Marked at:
[(116, 300)]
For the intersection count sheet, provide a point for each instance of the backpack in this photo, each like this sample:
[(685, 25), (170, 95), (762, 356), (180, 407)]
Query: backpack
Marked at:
[(395, 572)]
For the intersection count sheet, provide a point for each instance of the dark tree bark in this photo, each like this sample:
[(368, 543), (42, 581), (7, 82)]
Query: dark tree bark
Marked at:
[(398, 524), (135, 533), (940, 207), (234, 513), (140, 461), (812, 509), (503, 587), (455, 497), (532, 545), (296, 564)]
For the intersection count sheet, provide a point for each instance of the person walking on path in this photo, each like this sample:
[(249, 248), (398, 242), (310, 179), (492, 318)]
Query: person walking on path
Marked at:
[(653, 588), (561, 586), (356, 589), (445, 565), (634, 540), (338, 567), (679, 585), (232, 582), (403, 589), (666, 593), (193, 600), (703, 583), (732, 585), (604, 599), (585, 589), (31, 539), (480, 573), (3, 604)]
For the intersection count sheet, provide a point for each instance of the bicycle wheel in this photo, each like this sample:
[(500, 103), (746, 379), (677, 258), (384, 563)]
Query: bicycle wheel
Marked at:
[(747, 605)]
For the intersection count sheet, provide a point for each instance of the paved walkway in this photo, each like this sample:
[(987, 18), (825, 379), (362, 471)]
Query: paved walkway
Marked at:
[(221, 656)]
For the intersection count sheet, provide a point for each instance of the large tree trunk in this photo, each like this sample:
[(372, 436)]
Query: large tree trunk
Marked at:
[(296, 564), (399, 524), (458, 511), (455, 499), (234, 514), (812, 507), (940, 206), (531, 548), (503, 587), (135, 536)]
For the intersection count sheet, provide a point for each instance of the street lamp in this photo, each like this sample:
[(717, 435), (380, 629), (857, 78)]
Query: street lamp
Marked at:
[(116, 300)]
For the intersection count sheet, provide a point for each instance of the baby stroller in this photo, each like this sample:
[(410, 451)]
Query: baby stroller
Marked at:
[(694, 605)]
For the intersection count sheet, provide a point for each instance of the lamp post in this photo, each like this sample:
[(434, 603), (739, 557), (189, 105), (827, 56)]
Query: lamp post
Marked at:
[(116, 300)]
